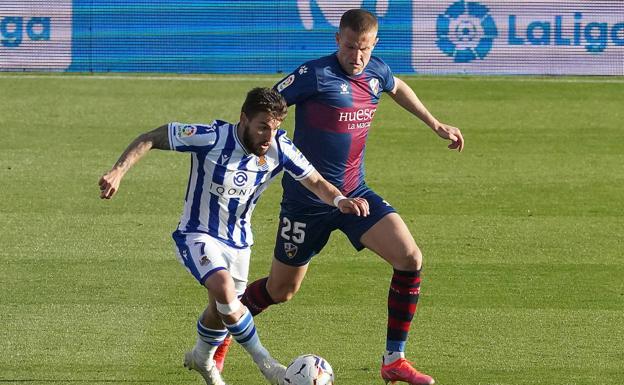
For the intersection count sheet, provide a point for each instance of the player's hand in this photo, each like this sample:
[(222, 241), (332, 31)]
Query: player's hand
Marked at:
[(109, 184), (357, 206), (453, 134)]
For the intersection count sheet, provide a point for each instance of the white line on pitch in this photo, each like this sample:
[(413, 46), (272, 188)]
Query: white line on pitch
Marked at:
[(238, 78), (138, 77)]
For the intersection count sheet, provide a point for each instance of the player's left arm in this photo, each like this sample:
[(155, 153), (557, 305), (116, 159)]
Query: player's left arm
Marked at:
[(329, 194), (404, 96)]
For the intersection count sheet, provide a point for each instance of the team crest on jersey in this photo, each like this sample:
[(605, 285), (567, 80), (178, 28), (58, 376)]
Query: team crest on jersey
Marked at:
[(303, 70), (186, 130), (344, 89), (290, 249), (285, 83), (262, 163), (374, 85), (204, 261)]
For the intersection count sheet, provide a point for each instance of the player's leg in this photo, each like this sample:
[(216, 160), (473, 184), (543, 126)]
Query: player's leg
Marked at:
[(391, 239), (385, 233), (280, 286), (239, 322), (210, 263), (192, 251), (243, 328), (210, 333), (299, 237)]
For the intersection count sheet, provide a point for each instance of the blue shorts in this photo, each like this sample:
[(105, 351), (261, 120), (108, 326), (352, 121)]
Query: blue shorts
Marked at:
[(304, 229)]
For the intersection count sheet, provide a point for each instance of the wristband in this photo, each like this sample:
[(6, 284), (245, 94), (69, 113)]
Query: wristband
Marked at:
[(338, 199)]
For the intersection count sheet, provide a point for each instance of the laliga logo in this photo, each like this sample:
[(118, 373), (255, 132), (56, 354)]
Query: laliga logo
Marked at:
[(332, 11), (466, 31), (594, 36), (13, 28)]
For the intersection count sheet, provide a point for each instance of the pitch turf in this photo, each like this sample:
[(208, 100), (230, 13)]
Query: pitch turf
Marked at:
[(522, 236)]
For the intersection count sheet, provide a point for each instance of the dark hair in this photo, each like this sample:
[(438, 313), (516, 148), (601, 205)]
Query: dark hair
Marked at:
[(263, 99), (358, 20)]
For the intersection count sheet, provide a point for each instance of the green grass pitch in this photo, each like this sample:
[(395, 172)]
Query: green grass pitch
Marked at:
[(522, 236)]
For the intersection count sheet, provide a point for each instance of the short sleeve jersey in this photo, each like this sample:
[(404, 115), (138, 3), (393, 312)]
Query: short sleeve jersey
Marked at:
[(226, 181), (334, 112)]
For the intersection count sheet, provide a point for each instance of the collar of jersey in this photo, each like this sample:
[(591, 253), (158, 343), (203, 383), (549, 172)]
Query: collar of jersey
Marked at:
[(240, 142)]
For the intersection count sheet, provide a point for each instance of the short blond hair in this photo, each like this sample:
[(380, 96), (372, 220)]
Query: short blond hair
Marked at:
[(359, 21)]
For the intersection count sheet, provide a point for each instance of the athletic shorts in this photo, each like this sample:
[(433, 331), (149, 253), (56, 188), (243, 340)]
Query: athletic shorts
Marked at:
[(203, 255), (304, 230)]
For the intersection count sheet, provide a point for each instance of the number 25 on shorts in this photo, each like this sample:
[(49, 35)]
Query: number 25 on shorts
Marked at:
[(293, 231)]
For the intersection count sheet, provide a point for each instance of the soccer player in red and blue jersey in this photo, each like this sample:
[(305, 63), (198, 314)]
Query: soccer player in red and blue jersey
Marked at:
[(336, 97)]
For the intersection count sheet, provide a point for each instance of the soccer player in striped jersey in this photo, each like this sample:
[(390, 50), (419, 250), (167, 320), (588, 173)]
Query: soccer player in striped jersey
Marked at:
[(231, 165), (336, 98)]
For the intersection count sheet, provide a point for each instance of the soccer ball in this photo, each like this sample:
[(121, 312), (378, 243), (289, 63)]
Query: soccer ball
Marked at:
[(309, 369)]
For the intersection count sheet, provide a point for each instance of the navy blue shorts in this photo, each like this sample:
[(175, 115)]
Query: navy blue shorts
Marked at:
[(304, 230)]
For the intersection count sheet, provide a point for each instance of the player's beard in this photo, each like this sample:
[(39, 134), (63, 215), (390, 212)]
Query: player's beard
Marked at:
[(254, 148)]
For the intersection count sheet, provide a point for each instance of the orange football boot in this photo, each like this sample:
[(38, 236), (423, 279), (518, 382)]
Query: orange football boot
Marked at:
[(222, 350), (402, 370)]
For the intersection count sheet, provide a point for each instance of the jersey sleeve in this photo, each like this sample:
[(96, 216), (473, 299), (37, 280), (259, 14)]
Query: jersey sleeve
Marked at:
[(299, 85), (295, 163), (192, 137), (387, 77)]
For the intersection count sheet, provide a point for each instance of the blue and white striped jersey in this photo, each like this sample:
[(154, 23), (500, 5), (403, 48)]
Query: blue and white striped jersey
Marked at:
[(226, 181)]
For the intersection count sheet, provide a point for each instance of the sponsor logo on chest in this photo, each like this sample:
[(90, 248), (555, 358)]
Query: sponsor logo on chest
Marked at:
[(358, 119), (242, 183), (230, 191)]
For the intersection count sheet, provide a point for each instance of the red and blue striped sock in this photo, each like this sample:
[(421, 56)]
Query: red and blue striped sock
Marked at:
[(402, 303), (257, 297)]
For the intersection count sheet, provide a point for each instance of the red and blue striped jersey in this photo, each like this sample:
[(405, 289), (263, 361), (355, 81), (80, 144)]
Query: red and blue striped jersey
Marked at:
[(334, 112)]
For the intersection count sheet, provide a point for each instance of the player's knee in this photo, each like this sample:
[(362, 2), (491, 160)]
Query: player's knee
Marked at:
[(283, 293), (410, 260), (284, 296)]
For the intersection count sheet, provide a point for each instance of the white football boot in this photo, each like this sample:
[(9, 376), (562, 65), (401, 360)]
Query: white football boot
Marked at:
[(272, 370), (208, 370)]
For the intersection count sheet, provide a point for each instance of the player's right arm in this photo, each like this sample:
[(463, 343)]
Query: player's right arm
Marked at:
[(157, 138), (330, 194)]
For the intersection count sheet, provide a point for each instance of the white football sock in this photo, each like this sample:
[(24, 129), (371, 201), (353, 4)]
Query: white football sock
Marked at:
[(390, 357), (244, 332), (208, 340), (207, 351)]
